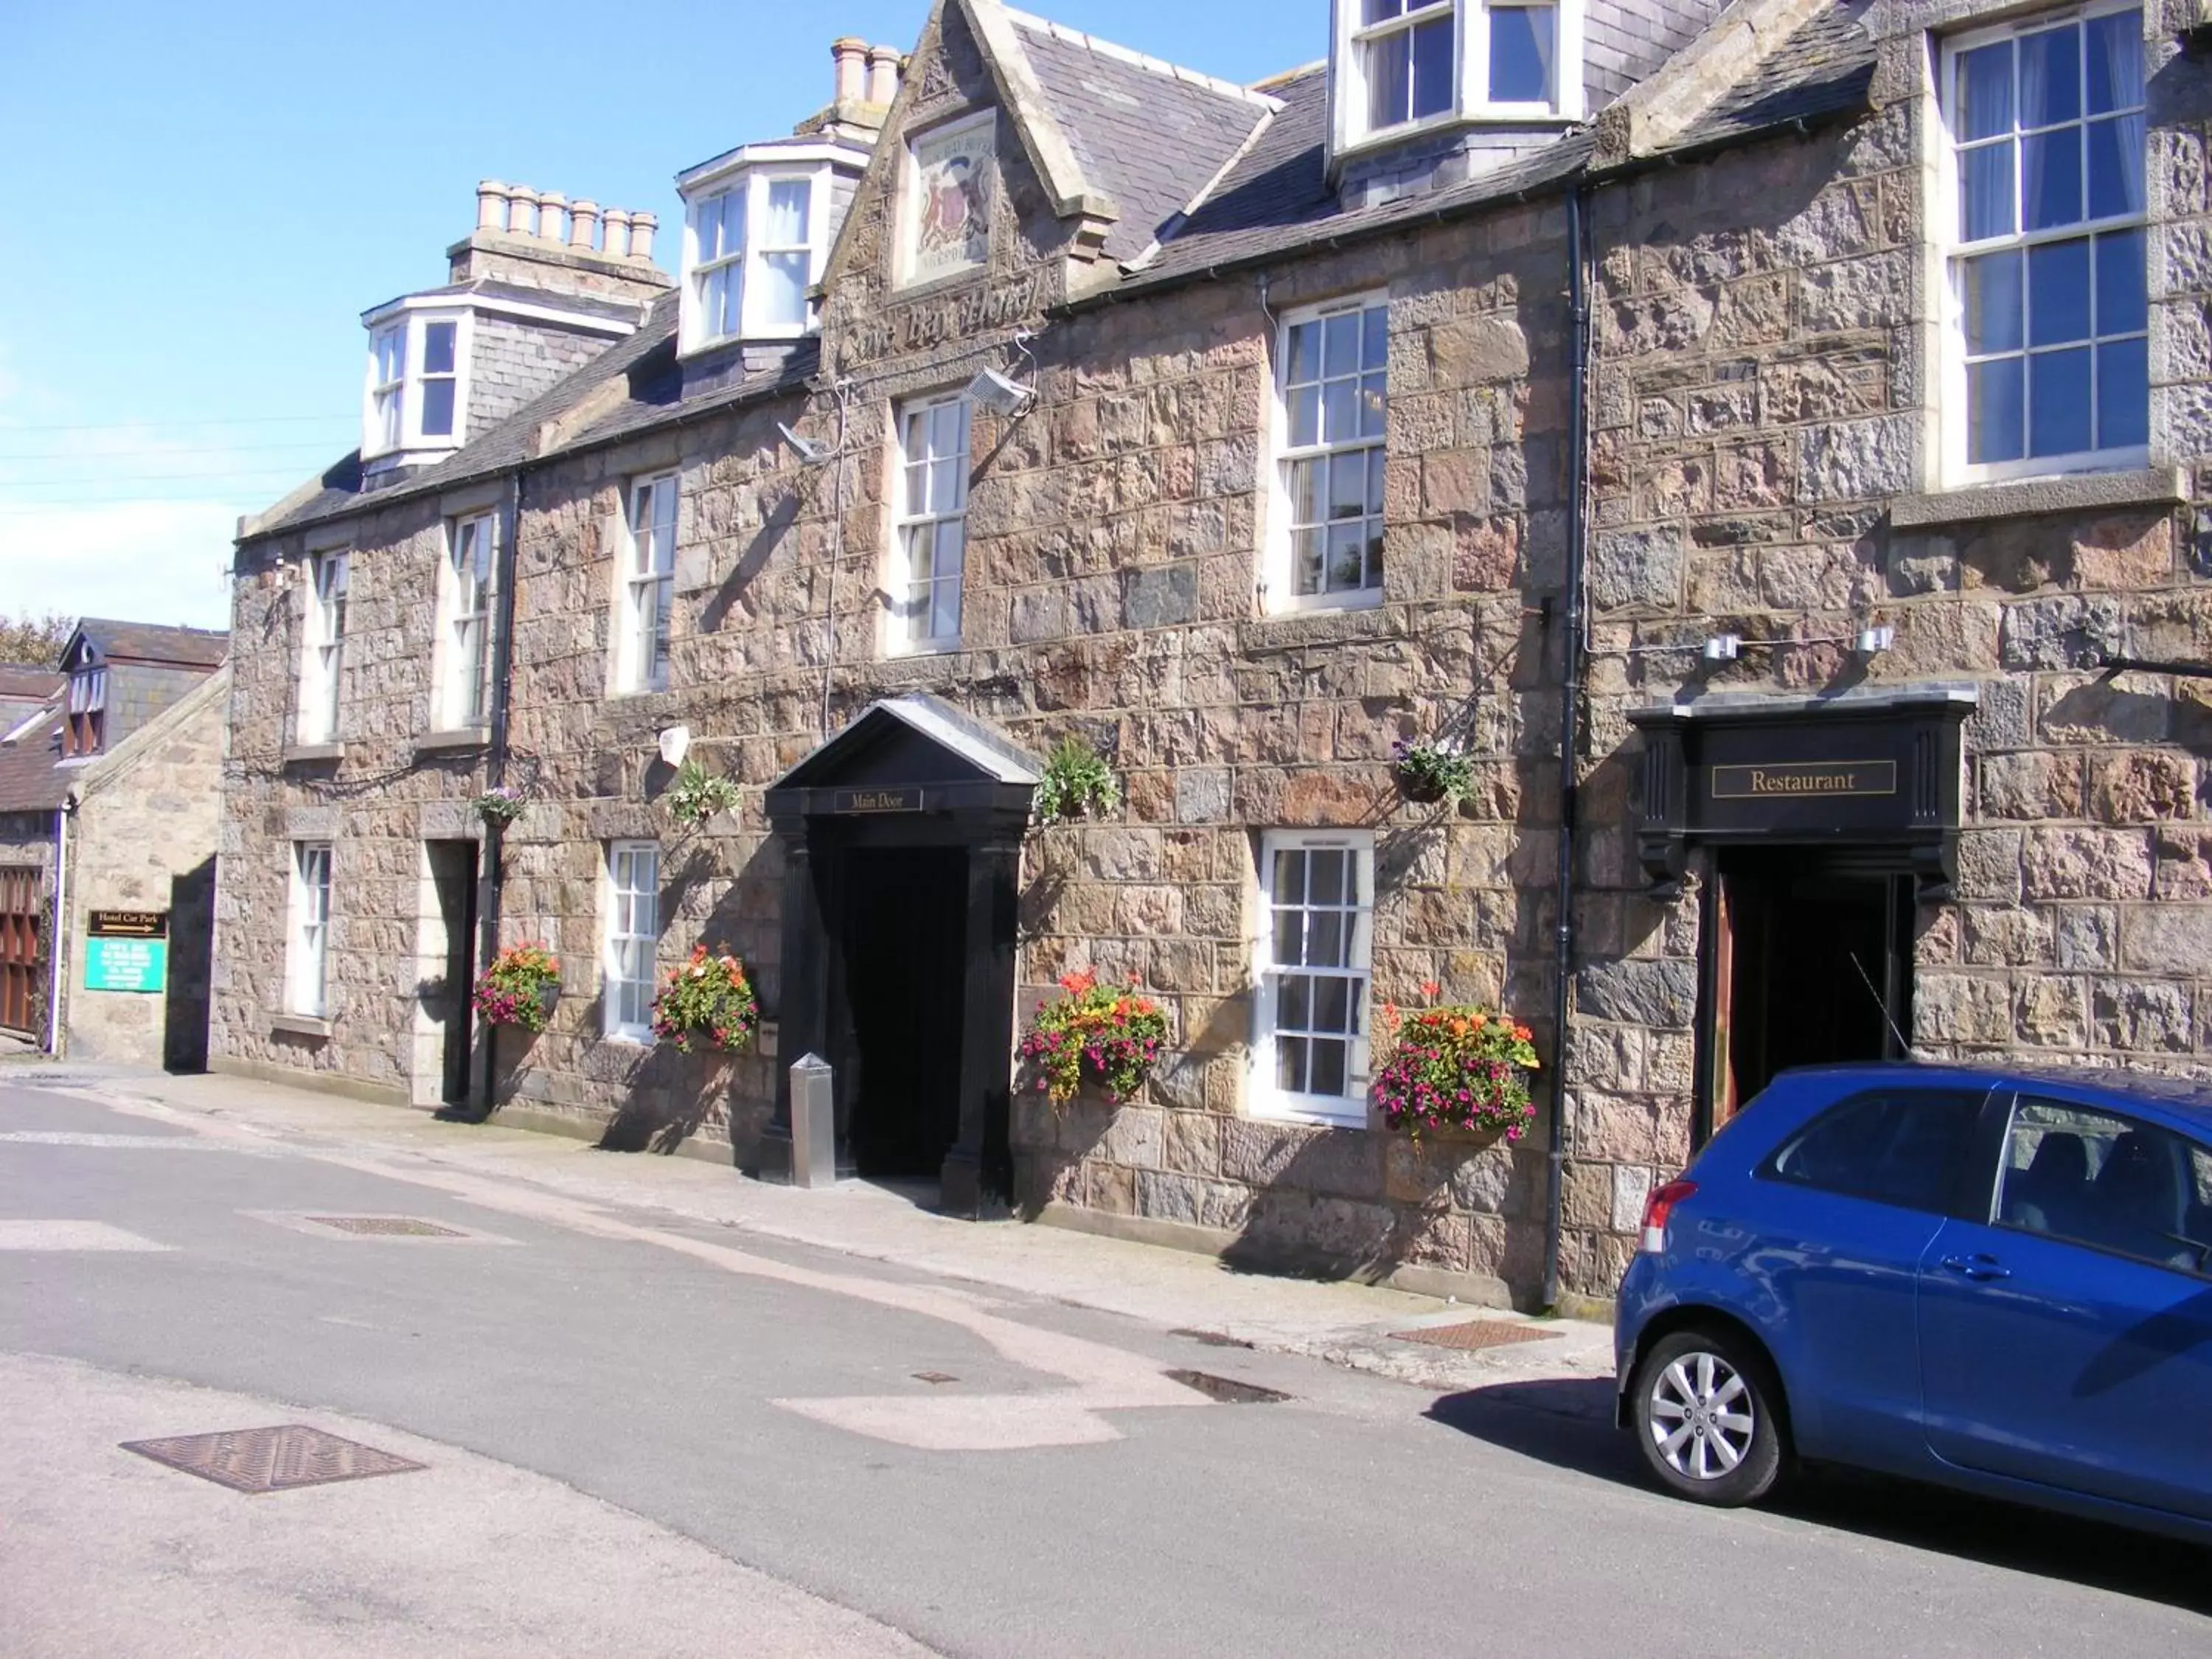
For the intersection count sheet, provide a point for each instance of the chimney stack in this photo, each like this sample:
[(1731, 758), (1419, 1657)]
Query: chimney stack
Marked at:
[(542, 239), (616, 242), (522, 210), (583, 223), (491, 205), (851, 57), (882, 74)]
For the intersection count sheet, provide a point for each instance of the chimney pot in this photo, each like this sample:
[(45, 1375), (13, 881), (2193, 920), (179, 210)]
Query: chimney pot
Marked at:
[(491, 205), (550, 206), (618, 223), (583, 221), (851, 57), (882, 74), (641, 227), (522, 210)]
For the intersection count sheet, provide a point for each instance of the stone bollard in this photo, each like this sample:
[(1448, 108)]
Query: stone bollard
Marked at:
[(813, 1123)]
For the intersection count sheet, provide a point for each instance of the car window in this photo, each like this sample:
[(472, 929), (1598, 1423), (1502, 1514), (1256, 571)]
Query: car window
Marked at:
[(1901, 1146), (2111, 1182)]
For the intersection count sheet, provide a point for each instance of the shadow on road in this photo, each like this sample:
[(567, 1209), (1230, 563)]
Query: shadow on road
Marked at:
[(1569, 1425)]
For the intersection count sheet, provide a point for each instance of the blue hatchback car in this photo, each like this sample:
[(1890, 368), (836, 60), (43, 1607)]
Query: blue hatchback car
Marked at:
[(1993, 1280)]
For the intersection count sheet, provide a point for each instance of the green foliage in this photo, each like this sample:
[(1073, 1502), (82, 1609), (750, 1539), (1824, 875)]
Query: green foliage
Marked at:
[(34, 641), (698, 794), (1439, 771), (705, 1003), (513, 990), (501, 805), (1113, 1035), (1076, 784), (1455, 1066)]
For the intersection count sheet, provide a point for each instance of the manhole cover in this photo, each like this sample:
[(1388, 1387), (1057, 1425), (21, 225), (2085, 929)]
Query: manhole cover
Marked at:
[(1475, 1333), (1227, 1389), (271, 1460), (384, 1226), (1211, 1339)]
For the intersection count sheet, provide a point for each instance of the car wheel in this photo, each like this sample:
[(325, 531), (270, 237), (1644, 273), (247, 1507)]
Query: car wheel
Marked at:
[(1706, 1417)]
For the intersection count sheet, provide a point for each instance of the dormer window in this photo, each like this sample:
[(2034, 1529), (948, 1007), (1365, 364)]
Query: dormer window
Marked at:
[(1404, 65), (753, 245), (87, 731), (414, 384)]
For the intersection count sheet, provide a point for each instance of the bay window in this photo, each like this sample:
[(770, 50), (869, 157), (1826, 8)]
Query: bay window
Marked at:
[(1403, 64), (753, 246), (2049, 295), (414, 397)]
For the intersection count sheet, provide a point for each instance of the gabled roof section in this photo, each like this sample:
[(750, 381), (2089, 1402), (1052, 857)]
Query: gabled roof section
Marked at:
[(149, 642), (30, 781), (27, 683), (992, 757), (1146, 134)]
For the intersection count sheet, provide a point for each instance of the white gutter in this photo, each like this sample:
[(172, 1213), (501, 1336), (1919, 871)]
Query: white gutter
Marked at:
[(56, 1043)]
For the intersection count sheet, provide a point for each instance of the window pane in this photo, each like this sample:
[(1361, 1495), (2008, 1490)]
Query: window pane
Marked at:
[(2058, 292), (1325, 939), (921, 552), (1289, 877), (2051, 162), (1347, 557), (1521, 52), (2049, 77), (438, 348), (2116, 65), (944, 485), (1378, 474), (1326, 872), (437, 408), (1306, 551), (1990, 294), (2121, 300), (1290, 938), (1995, 410), (1378, 11), (944, 610), (1294, 1003), (2102, 1181), (1305, 490), (788, 201), (1340, 420), (1374, 407), (1291, 1065), (1347, 481), (944, 430), (2115, 167), (1985, 91), (2123, 394), (1305, 415), (1390, 63), (1326, 1073), (1304, 354), (1332, 1004), (917, 486), (1904, 1148), (1340, 343), (1375, 336), (1986, 191), (783, 290), (1432, 68), (2058, 403)]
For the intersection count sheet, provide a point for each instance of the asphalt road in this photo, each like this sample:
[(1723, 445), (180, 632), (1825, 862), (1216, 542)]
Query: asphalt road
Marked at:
[(1049, 1492)]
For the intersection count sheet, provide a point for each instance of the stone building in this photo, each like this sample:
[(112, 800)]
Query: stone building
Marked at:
[(110, 790), (1766, 441)]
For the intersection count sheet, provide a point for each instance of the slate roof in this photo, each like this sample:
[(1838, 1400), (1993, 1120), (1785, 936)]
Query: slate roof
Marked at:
[(29, 779), (1145, 133), (24, 682), (1821, 71), (644, 360), (492, 287), (129, 641)]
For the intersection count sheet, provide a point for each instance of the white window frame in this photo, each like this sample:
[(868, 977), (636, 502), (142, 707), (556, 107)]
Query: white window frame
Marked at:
[(392, 410), (934, 517), (1278, 579), (307, 938), (629, 965), (644, 585), (1952, 252), (1267, 1098), (752, 188), (329, 578), (468, 590), (1470, 100), (85, 733)]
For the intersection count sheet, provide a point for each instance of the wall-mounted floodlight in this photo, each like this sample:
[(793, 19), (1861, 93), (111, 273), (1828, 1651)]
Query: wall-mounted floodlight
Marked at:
[(1002, 396), (1876, 639), (810, 453), (675, 743), (1724, 647)]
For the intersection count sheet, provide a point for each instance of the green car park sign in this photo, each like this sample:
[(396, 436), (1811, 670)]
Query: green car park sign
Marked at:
[(127, 950)]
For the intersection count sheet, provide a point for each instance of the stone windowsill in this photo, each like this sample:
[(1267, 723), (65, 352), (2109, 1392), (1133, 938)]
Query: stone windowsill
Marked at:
[(1366, 619), (311, 753), (466, 737), (2156, 486), (299, 1025)]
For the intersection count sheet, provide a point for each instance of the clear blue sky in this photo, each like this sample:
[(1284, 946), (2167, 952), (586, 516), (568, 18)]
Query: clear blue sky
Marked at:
[(202, 199)]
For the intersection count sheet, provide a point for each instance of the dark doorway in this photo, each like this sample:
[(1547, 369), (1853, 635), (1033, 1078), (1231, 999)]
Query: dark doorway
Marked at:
[(192, 966), (454, 874), (1809, 962), (902, 939)]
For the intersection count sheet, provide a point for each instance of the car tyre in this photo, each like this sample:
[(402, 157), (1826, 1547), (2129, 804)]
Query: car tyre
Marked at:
[(1708, 1418)]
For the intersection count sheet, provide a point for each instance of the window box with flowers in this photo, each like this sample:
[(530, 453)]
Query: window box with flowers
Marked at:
[(1454, 1067), (520, 988), (706, 1002), (1110, 1036)]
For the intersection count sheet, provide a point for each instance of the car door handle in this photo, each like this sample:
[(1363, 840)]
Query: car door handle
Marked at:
[(1980, 1268)]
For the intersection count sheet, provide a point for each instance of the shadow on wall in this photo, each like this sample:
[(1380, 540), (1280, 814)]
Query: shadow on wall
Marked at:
[(192, 966)]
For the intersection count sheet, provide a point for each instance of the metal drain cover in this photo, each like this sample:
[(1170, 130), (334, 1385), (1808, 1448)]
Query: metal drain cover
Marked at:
[(384, 1226), (271, 1460), (1475, 1333), (1227, 1389)]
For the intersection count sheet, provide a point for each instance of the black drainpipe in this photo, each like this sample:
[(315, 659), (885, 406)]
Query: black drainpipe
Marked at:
[(1571, 672), (502, 673)]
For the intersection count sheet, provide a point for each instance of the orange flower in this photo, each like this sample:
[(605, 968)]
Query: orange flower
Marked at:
[(1431, 989)]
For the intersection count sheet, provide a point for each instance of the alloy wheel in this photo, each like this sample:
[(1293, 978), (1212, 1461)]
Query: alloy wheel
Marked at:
[(1702, 1416)]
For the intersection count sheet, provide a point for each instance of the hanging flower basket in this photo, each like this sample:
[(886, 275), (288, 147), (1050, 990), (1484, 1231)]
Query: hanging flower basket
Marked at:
[(1429, 772), (1112, 1037), (520, 988), (706, 1003), (1455, 1066), (1078, 783), (697, 795), (500, 806)]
